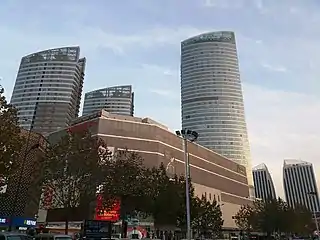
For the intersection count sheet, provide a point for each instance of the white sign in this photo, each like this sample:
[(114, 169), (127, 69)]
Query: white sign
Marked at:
[(3, 220), (30, 222)]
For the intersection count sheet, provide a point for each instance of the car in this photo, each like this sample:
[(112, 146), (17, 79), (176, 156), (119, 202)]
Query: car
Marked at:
[(52, 236), (14, 236)]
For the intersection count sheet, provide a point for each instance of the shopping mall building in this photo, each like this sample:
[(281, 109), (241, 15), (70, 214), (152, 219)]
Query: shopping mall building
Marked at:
[(212, 175)]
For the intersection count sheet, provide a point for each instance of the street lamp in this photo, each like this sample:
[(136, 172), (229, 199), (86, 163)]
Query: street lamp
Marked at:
[(23, 163), (314, 195), (187, 135)]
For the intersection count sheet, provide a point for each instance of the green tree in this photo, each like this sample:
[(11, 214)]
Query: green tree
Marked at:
[(165, 196), (208, 220), (300, 219), (11, 140), (274, 216), (270, 215), (181, 221), (74, 169), (245, 218), (127, 181)]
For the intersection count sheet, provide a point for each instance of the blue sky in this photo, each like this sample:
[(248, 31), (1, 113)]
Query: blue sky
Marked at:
[(137, 42)]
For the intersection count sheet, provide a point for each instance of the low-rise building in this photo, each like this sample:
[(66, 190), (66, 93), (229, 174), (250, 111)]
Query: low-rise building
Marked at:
[(212, 175)]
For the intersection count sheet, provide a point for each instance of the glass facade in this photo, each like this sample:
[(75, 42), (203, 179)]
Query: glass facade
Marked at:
[(263, 184), (211, 96), (48, 89), (299, 181), (116, 100)]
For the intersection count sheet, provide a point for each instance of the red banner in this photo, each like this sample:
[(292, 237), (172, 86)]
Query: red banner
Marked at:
[(112, 215)]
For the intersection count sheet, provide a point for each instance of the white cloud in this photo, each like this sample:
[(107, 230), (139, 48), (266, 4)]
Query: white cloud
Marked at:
[(223, 3), (160, 69), (274, 68), (164, 93)]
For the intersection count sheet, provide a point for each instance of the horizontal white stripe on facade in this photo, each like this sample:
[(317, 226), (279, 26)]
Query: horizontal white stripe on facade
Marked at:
[(192, 165), (170, 146)]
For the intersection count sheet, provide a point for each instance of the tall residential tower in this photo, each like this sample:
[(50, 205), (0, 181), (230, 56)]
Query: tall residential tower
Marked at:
[(299, 182), (263, 184), (117, 100), (48, 89), (211, 96)]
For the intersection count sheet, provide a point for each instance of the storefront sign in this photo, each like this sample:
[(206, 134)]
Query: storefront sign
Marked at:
[(3, 220), (24, 222), (30, 222)]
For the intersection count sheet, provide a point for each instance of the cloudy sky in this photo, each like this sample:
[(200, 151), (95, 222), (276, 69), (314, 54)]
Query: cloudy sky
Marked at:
[(137, 42)]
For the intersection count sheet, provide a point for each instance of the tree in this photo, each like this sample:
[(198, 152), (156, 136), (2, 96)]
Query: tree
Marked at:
[(244, 218), (73, 170), (270, 215), (274, 216), (182, 217), (127, 181), (11, 140), (300, 219), (208, 220), (165, 197)]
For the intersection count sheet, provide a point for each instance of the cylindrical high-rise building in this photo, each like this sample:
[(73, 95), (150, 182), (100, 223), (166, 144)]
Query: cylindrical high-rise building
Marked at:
[(48, 89), (117, 100), (211, 96)]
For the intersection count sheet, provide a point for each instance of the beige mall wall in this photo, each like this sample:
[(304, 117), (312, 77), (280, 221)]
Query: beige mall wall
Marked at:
[(228, 209)]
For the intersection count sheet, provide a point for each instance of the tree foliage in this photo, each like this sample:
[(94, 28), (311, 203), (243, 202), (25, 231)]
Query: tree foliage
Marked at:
[(244, 218), (166, 196), (74, 168), (126, 180), (11, 140), (274, 215), (208, 219)]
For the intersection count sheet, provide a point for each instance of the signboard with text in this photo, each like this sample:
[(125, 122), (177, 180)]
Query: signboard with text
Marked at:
[(95, 229), (112, 215)]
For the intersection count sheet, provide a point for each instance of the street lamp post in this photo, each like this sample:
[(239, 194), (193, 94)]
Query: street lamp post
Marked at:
[(314, 195), (23, 163), (187, 135)]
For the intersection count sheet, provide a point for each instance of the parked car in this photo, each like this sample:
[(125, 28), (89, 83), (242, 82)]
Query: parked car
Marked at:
[(14, 236), (51, 236)]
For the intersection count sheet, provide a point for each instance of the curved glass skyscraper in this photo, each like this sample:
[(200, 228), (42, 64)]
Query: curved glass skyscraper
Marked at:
[(48, 89), (117, 100), (211, 96), (263, 184)]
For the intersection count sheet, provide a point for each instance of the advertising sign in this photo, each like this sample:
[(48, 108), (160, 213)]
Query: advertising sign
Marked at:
[(112, 215)]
